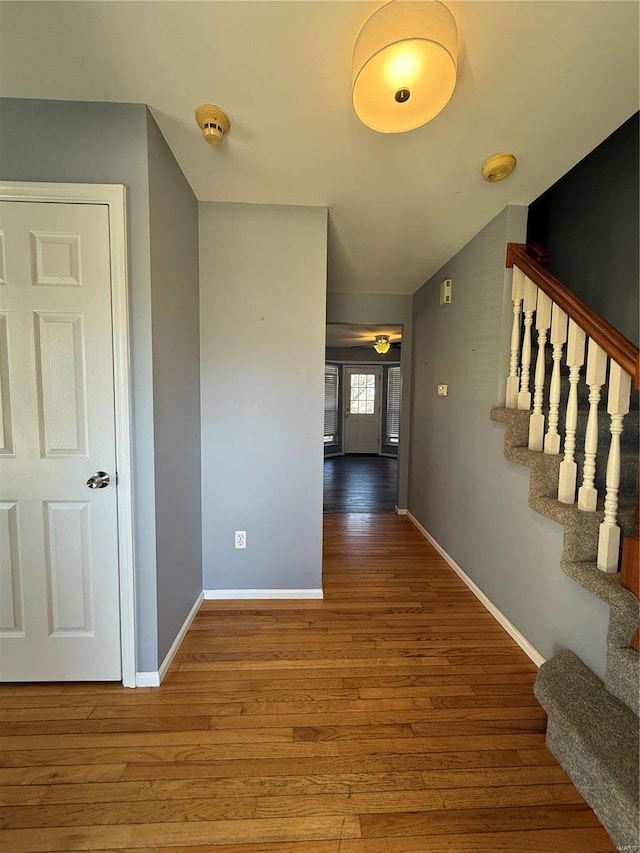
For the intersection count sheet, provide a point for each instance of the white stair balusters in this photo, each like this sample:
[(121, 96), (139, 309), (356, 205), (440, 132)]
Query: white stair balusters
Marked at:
[(536, 421), (595, 377), (529, 307), (558, 340), (517, 293), (617, 407), (568, 468)]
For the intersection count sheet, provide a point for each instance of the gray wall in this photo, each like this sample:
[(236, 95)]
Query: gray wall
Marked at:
[(105, 143), (262, 332), (590, 222), (383, 309), (173, 213), (461, 489), (120, 144)]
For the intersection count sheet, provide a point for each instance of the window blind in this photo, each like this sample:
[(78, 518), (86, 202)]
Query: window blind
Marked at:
[(330, 403), (393, 406)]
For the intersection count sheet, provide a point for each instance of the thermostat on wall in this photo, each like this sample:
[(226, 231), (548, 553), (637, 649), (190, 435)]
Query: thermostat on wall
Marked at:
[(445, 291)]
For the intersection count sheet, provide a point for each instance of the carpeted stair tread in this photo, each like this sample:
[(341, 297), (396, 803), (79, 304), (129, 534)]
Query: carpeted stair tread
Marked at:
[(585, 524), (623, 668), (604, 586), (595, 739)]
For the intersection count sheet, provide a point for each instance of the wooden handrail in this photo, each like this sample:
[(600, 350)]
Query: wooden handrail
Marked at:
[(613, 342)]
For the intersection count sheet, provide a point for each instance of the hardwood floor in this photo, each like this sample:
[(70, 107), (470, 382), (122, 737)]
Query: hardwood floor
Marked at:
[(394, 716), (360, 483)]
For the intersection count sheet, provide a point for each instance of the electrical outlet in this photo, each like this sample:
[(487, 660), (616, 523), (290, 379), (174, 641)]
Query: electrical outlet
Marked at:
[(241, 538), (443, 390)]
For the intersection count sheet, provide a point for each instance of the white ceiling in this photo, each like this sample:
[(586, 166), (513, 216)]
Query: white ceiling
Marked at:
[(546, 79)]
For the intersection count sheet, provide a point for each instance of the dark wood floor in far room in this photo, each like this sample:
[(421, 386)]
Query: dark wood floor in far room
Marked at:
[(360, 483)]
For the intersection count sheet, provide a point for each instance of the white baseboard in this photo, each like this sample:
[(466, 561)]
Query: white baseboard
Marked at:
[(147, 679), (241, 594), (154, 679), (508, 626), (400, 511)]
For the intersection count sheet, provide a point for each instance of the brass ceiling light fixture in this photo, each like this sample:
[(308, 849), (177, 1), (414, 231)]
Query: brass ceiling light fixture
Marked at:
[(382, 344), (404, 65), (213, 122), (498, 167)]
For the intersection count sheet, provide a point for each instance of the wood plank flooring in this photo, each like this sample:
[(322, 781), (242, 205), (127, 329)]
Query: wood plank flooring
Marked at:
[(396, 716), (360, 483)]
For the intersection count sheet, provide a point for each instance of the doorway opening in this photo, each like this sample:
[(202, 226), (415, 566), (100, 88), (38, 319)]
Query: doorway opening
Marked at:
[(362, 419)]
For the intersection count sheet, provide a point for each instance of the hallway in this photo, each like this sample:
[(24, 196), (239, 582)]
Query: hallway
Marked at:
[(395, 716)]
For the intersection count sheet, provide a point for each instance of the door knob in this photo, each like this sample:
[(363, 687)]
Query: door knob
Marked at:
[(99, 480)]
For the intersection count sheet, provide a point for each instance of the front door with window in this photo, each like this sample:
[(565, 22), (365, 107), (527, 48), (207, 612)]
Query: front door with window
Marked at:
[(362, 409), (59, 572)]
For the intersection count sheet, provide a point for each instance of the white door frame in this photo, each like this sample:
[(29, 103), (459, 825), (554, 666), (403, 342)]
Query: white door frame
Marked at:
[(112, 195)]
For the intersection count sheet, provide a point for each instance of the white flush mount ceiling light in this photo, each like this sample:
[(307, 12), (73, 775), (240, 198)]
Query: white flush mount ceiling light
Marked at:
[(213, 122), (404, 65), (382, 344)]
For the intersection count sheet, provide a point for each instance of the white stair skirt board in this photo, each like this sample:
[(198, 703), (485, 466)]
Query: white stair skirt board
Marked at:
[(241, 594), (508, 626), (154, 679)]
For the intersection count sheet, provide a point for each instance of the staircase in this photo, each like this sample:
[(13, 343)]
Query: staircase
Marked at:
[(592, 726)]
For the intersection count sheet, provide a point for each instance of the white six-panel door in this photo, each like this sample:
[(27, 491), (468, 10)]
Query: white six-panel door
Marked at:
[(362, 387), (59, 582)]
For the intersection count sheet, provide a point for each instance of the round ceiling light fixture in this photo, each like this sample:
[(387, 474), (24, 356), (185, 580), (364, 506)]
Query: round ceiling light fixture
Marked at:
[(213, 122), (404, 65), (382, 344), (498, 167)]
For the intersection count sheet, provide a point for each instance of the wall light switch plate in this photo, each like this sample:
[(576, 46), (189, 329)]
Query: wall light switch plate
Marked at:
[(443, 390), (445, 291)]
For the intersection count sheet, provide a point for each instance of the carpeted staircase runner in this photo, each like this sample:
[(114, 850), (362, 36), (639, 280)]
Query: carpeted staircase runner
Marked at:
[(592, 727)]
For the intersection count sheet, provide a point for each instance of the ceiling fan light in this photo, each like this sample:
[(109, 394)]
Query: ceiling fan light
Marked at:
[(404, 65), (382, 344)]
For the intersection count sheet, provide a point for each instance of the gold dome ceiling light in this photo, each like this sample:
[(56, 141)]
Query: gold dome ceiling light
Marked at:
[(404, 65), (382, 344)]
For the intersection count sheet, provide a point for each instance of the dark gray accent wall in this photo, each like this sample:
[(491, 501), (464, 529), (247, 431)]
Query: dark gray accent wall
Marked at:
[(461, 489), (173, 212), (262, 332), (379, 309), (105, 143), (590, 223)]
